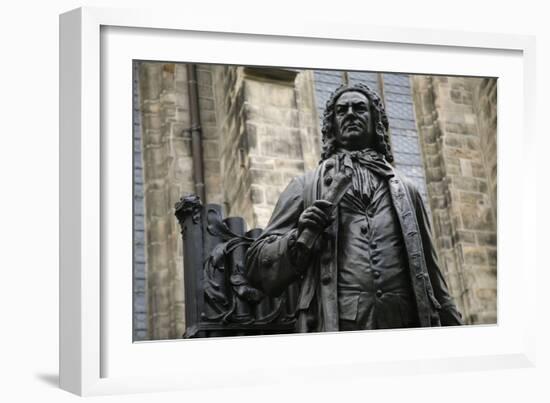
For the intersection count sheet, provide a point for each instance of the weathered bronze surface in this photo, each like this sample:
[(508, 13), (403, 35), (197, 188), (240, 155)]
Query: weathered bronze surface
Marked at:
[(219, 299), (361, 260)]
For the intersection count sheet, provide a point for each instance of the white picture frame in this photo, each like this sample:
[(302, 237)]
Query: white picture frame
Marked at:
[(97, 355)]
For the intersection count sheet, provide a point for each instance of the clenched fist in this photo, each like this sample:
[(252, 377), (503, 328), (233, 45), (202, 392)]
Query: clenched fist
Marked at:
[(316, 217)]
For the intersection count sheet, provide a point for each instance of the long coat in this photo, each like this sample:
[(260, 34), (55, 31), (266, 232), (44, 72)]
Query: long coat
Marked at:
[(269, 266)]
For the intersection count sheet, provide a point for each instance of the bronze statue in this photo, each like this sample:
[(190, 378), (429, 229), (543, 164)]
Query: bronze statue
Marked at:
[(354, 234)]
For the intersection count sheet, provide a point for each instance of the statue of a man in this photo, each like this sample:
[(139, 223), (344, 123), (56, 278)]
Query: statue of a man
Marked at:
[(373, 264)]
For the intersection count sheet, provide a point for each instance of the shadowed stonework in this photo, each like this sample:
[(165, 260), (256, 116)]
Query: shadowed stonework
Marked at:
[(457, 122)]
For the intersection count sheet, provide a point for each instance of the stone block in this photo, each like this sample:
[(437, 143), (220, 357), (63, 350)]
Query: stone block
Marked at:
[(204, 76), (487, 294), (280, 116), (206, 104), (208, 117), (466, 167), (265, 177), (469, 118), (182, 147), (482, 185), (151, 121), (452, 170), (157, 255), (205, 90), (294, 166), (179, 130), (168, 100), (182, 116), (158, 278), (478, 170), (257, 194), (210, 132), (176, 291), (492, 256), (182, 96), (474, 255), (434, 173), (459, 127), (429, 135), (252, 137), (183, 169), (150, 80), (150, 107), (252, 113), (477, 218), (461, 153), (462, 183), (456, 96), (164, 227), (466, 236), (438, 202), (212, 166), (211, 149), (161, 330), (155, 162), (181, 72), (168, 82), (280, 147), (433, 160), (486, 238), (260, 162), (445, 242), (472, 198)]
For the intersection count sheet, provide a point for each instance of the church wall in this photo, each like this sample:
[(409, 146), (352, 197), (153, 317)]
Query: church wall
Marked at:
[(268, 135), (167, 175), (460, 165)]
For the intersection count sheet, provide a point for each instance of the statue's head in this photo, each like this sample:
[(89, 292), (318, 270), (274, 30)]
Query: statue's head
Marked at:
[(355, 119)]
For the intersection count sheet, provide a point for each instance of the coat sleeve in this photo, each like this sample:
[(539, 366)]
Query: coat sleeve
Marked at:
[(268, 264), (448, 312)]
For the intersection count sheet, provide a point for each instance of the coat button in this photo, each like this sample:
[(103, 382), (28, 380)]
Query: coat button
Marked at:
[(379, 293), (373, 245), (328, 180), (326, 279), (376, 274), (375, 259), (364, 229)]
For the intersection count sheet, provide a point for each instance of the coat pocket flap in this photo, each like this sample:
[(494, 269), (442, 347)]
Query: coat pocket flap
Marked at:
[(348, 306)]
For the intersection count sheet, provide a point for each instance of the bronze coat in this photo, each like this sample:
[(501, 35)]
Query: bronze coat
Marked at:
[(269, 268)]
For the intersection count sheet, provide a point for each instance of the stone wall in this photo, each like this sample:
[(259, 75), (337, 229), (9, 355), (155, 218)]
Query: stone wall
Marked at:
[(210, 135), (268, 135), (457, 156), (168, 174), (485, 101)]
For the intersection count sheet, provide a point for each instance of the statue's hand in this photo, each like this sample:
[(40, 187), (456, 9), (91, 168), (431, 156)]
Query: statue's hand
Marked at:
[(316, 217)]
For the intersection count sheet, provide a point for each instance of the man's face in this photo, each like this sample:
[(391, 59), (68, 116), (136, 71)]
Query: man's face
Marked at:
[(354, 128)]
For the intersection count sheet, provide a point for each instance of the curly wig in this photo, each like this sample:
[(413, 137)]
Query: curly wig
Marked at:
[(378, 114)]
